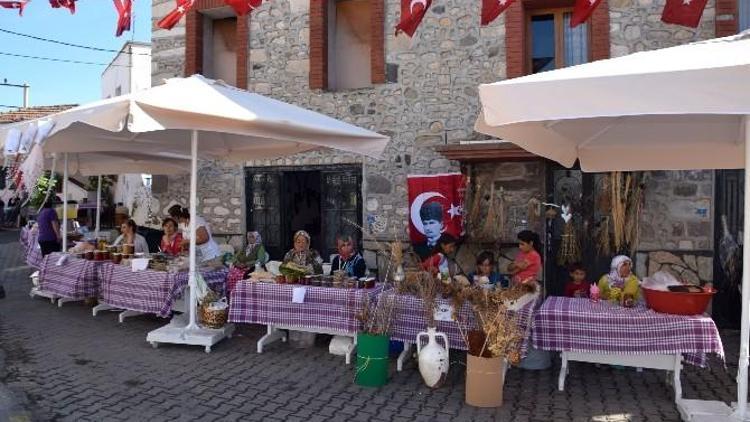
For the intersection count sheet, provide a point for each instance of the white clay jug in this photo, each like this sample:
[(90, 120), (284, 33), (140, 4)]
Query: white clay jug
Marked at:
[(433, 358)]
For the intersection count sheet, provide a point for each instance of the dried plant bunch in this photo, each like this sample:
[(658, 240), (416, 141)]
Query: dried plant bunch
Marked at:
[(377, 316)]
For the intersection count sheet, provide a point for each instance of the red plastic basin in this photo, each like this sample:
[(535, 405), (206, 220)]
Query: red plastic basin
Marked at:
[(678, 303)]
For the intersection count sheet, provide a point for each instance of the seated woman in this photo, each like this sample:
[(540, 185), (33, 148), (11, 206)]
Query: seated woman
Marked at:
[(207, 251), (171, 242), (620, 276), (485, 272), (130, 236), (525, 267), (348, 259), (302, 255), (254, 252)]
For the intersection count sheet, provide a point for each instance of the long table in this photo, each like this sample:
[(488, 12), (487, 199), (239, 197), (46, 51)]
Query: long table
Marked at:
[(147, 291), (410, 320), (70, 279), (602, 332), (325, 310)]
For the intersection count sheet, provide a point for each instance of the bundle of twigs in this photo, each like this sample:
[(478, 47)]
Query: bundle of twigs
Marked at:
[(634, 211), (377, 317), (603, 241), (570, 247)]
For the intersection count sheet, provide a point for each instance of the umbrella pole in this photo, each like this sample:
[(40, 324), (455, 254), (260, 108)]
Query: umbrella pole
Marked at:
[(741, 410), (98, 205), (193, 214), (64, 228)]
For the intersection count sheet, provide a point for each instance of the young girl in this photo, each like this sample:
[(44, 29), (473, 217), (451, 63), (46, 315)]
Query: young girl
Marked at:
[(528, 262), (485, 271)]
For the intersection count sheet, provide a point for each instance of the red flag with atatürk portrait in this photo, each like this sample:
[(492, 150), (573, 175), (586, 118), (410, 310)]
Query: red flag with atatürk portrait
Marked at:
[(491, 9), (17, 4), (243, 7), (683, 12), (412, 13), (436, 204)]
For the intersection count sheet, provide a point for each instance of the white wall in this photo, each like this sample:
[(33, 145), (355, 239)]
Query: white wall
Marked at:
[(130, 70)]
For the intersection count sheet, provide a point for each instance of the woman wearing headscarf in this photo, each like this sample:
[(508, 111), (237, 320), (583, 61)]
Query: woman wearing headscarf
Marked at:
[(620, 277), (254, 251), (302, 255)]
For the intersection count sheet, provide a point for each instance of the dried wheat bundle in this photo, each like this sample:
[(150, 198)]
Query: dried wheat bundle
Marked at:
[(634, 212), (475, 207), (570, 247), (603, 242), (500, 218), (534, 211), (377, 317), (618, 211)]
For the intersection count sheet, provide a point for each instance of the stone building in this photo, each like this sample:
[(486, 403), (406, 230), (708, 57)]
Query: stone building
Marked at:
[(341, 58)]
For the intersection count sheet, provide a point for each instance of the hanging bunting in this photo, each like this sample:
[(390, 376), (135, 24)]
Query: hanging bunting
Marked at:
[(18, 4), (243, 7), (173, 17), (582, 11), (67, 4), (683, 12), (124, 14), (412, 13), (491, 9)]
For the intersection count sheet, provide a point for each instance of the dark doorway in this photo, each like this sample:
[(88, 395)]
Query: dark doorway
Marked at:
[(729, 197), (322, 200)]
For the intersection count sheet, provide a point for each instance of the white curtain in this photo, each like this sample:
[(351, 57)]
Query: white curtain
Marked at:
[(576, 41), (744, 12)]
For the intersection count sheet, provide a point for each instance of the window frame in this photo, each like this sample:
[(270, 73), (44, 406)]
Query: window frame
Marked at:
[(559, 21)]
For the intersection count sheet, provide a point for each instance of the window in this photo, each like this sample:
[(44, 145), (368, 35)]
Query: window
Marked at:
[(552, 43), (744, 11), (349, 44), (118, 91), (220, 49)]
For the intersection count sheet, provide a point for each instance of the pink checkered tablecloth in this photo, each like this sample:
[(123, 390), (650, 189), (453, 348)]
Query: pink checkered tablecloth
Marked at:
[(31, 248), (149, 291), (410, 320), (579, 325), (327, 309), (76, 278)]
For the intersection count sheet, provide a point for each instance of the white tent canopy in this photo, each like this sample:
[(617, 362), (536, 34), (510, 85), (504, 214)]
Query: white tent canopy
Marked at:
[(675, 108), (685, 107), (192, 117)]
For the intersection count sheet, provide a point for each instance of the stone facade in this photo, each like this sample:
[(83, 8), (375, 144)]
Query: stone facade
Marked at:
[(429, 99)]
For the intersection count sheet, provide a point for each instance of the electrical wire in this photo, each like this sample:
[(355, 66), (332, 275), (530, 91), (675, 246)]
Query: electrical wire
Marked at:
[(52, 59), (87, 47)]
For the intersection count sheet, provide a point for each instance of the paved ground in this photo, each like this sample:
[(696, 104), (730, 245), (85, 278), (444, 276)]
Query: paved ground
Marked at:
[(74, 367)]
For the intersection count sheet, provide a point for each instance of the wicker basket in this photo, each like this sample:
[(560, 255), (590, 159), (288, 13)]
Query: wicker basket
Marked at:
[(213, 318)]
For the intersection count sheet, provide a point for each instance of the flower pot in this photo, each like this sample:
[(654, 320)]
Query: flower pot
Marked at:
[(484, 381), (433, 357), (372, 360)]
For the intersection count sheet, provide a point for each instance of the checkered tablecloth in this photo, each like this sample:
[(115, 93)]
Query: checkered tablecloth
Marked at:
[(327, 309), (31, 248), (579, 325), (411, 319), (75, 278), (149, 291)]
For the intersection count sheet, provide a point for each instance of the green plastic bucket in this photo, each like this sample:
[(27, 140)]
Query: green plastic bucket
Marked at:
[(372, 360)]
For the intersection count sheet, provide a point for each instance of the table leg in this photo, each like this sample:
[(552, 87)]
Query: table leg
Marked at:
[(405, 354), (676, 377), (102, 307), (350, 350), (272, 334), (563, 371), (128, 313), (36, 291), (66, 300)]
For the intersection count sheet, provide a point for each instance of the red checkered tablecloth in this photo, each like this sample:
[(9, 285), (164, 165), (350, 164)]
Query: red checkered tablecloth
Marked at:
[(149, 291), (579, 325), (327, 309), (410, 320), (75, 278)]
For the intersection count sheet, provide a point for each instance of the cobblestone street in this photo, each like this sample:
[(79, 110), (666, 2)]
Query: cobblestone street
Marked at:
[(74, 367)]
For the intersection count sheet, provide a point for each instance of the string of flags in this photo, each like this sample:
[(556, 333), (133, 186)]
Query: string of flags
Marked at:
[(678, 12)]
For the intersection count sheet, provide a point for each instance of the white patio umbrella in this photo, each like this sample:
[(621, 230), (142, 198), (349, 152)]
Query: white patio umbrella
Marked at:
[(685, 107), (231, 124)]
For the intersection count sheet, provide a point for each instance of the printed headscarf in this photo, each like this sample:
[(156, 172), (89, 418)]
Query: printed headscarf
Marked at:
[(251, 246), (615, 280)]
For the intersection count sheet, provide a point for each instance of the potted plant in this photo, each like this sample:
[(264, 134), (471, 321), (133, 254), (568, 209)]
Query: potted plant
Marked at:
[(373, 340), (494, 343)]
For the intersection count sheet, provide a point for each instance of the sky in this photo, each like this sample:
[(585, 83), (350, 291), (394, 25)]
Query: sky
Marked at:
[(51, 83)]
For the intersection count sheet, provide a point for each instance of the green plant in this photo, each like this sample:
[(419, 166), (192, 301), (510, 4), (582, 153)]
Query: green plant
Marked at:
[(107, 183), (44, 183)]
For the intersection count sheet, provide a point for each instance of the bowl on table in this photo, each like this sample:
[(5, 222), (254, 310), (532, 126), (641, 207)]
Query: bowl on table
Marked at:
[(678, 303)]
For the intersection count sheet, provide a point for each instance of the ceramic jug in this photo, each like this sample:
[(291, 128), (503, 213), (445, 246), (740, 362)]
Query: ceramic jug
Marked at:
[(433, 357)]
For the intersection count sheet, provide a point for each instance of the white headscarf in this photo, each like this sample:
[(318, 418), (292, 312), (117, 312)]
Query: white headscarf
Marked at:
[(250, 246), (615, 280)]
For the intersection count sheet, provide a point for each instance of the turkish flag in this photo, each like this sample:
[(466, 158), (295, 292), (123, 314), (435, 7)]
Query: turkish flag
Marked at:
[(173, 17), (436, 206), (412, 13), (582, 11), (683, 12), (243, 7), (18, 4), (67, 4), (124, 12), (491, 9)]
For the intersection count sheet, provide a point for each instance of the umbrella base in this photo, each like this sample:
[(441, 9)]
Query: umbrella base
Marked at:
[(176, 332)]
